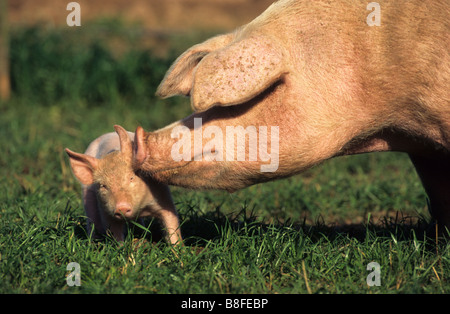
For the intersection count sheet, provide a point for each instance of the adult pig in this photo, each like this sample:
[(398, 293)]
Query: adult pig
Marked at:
[(329, 85)]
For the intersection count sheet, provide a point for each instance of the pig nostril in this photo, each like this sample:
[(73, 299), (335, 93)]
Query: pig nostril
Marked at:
[(122, 211)]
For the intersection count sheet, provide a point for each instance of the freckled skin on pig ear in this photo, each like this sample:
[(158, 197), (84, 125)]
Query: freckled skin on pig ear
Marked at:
[(180, 76), (216, 74), (237, 73), (83, 166)]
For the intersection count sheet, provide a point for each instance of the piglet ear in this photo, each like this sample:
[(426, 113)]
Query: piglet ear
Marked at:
[(83, 166), (140, 148), (125, 141)]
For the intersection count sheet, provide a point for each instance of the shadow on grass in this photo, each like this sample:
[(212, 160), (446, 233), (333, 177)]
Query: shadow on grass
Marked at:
[(200, 228)]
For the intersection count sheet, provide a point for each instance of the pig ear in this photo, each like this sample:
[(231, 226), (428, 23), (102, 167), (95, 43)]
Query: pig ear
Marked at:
[(83, 166), (125, 141), (237, 73), (140, 149), (180, 76)]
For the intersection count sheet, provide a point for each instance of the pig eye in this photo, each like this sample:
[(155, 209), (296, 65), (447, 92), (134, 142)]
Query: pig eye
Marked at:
[(132, 178), (103, 186)]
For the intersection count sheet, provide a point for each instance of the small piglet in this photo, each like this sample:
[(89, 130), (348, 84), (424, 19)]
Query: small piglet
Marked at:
[(113, 193)]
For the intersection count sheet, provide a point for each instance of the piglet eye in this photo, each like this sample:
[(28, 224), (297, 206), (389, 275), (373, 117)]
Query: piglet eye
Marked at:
[(132, 178), (103, 186)]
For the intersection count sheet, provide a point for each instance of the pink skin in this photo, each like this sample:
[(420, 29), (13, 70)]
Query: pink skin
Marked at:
[(113, 192), (332, 84)]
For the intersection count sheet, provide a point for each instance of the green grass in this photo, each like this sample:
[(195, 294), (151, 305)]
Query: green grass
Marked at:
[(314, 232)]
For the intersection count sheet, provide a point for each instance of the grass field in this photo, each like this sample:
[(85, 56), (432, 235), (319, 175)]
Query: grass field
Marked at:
[(312, 233)]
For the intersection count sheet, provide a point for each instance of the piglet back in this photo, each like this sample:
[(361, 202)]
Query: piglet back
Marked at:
[(105, 144)]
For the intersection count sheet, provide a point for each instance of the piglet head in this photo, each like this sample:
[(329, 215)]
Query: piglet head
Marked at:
[(120, 191)]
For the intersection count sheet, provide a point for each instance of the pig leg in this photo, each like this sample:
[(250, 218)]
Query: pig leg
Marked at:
[(92, 211), (167, 213), (116, 227), (435, 176), (169, 219)]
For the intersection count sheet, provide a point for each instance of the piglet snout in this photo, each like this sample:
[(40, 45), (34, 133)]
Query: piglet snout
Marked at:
[(123, 210)]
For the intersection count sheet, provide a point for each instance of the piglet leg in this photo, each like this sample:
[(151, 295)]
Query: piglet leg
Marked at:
[(92, 211), (169, 219)]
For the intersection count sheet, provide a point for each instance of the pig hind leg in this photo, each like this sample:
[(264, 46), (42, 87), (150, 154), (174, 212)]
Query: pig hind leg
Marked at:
[(435, 175)]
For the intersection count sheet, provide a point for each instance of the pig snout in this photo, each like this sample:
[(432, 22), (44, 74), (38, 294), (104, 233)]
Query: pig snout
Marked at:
[(123, 209)]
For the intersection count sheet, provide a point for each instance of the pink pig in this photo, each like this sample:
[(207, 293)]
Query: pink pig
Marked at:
[(112, 192), (325, 82)]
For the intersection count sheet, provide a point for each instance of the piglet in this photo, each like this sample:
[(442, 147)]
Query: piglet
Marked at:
[(113, 193)]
